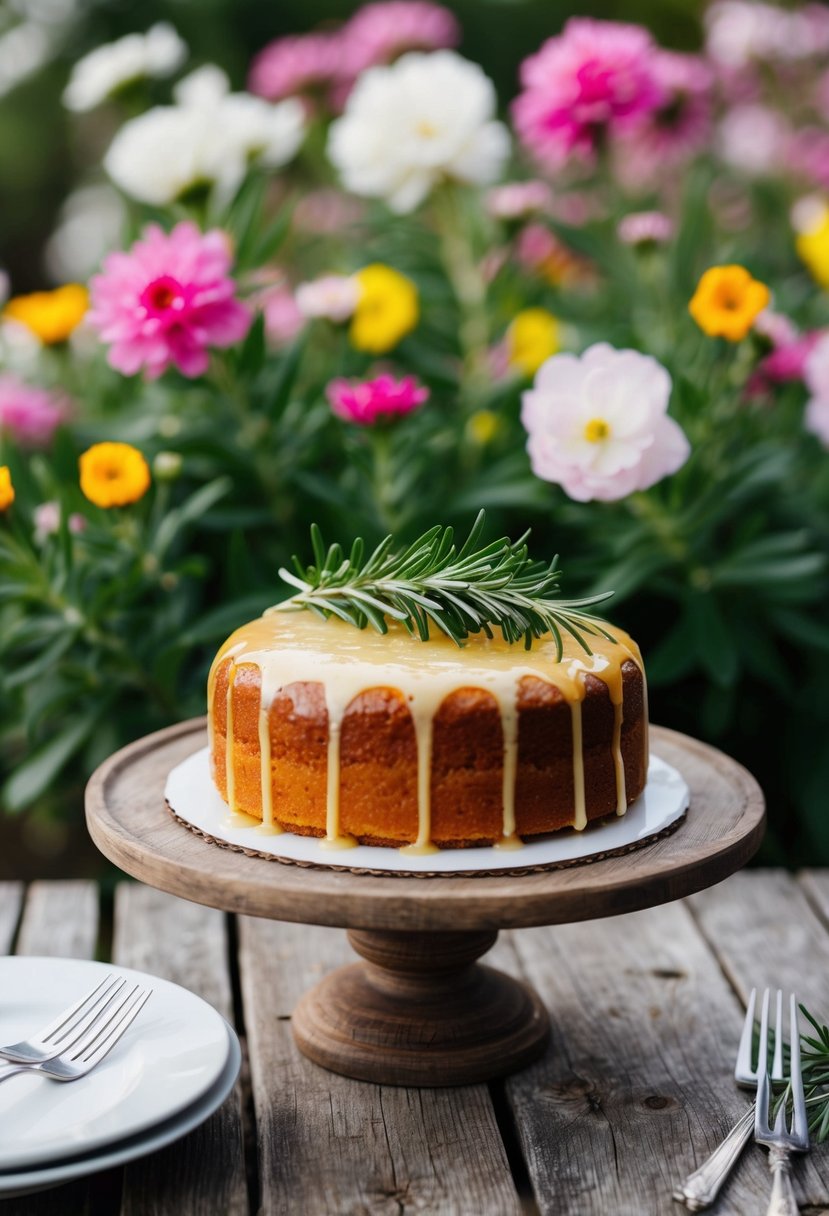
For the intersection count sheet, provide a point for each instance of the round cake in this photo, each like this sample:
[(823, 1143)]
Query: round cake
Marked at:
[(322, 729)]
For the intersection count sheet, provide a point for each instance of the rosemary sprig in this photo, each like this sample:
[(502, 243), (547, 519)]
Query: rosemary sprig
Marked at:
[(462, 590), (814, 1068)]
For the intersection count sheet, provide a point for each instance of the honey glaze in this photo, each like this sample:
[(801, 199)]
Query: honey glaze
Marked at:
[(292, 647)]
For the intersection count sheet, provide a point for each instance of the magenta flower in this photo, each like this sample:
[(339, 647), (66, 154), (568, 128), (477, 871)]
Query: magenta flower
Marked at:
[(589, 82), (669, 135), (29, 415), (167, 301), (369, 401), (295, 65), (379, 33)]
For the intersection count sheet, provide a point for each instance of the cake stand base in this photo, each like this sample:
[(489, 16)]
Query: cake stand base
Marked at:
[(421, 1011)]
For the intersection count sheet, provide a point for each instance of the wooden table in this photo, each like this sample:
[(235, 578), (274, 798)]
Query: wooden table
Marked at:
[(633, 1092)]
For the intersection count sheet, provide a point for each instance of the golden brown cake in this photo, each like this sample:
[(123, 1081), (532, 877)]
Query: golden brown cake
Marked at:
[(322, 729)]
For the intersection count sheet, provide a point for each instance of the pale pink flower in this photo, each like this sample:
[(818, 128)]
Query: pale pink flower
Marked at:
[(167, 301), (516, 200), (294, 65), (332, 298), (28, 414), (752, 138), (669, 135), (816, 373), (645, 228), (591, 81), (776, 327), (371, 401), (598, 424), (47, 521), (807, 155), (283, 319), (379, 33), (816, 418)]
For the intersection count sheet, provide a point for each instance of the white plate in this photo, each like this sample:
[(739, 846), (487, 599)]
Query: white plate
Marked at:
[(193, 796), (170, 1056), (25, 1182)]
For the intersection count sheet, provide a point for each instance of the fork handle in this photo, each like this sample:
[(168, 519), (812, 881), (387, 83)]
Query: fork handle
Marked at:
[(700, 1189), (782, 1202), (9, 1070)]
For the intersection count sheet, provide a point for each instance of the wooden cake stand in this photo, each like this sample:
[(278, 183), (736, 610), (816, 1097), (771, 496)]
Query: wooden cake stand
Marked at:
[(420, 1010)]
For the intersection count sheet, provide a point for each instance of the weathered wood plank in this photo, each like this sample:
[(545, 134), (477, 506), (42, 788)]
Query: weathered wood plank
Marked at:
[(635, 1089), (331, 1145), (187, 944), (11, 901), (60, 919), (766, 933)]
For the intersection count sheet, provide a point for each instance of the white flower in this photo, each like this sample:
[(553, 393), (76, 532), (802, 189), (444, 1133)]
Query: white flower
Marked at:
[(90, 224), (333, 297), (209, 138), (108, 68), (598, 425), (407, 127), (816, 375)]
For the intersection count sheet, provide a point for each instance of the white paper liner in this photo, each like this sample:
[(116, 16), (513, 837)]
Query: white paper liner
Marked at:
[(195, 801)]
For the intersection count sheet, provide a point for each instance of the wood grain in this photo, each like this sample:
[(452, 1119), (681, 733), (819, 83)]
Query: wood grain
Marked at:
[(60, 919), (637, 1086), (128, 821), (204, 1172), (767, 934), (329, 1145), (11, 901)]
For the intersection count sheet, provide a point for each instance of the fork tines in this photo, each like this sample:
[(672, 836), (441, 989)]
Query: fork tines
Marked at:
[(795, 1138)]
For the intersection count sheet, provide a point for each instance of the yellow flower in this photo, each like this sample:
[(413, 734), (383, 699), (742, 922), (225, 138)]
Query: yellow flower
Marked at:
[(812, 244), (727, 301), (6, 488), (387, 309), (483, 426), (532, 338), (114, 474), (50, 315)]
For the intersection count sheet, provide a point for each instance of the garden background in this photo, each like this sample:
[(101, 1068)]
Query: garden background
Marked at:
[(109, 614)]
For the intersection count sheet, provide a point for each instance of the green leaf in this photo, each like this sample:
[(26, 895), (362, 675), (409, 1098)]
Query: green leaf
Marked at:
[(713, 642), (35, 774)]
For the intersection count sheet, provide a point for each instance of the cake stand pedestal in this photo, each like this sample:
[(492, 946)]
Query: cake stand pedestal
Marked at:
[(420, 1010)]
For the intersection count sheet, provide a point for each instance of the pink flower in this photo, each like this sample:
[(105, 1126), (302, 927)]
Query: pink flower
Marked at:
[(379, 33), (816, 375), (515, 200), (752, 138), (807, 155), (29, 415), (598, 424), (167, 301), (370, 401), (296, 64), (816, 418), (672, 133), (645, 228), (283, 319), (592, 80), (47, 521)]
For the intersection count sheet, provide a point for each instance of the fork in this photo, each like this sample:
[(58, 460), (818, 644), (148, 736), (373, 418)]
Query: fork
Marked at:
[(780, 1140), (700, 1189), (96, 1043), (67, 1028)]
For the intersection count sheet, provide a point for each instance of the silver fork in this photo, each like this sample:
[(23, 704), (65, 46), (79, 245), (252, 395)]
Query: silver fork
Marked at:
[(780, 1140), (700, 1189), (96, 1043), (67, 1028)]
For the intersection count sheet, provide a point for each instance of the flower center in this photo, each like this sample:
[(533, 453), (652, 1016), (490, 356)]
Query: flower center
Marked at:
[(426, 129), (728, 297), (596, 430), (163, 295)]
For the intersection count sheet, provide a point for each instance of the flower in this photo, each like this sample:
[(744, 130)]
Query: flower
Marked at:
[(816, 418), (113, 474), (283, 320), (47, 521), (670, 134), (208, 139), (387, 309), (810, 217), (295, 65), (378, 33), (726, 302), (592, 80), (598, 424), (6, 488), (816, 375), (50, 315), (532, 337), (752, 138), (424, 120), (645, 228), (333, 297), (739, 32), (90, 223), (515, 200), (168, 300), (30, 415), (540, 250), (109, 68), (370, 401)]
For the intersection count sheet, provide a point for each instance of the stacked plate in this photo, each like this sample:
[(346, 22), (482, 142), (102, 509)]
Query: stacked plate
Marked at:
[(174, 1067)]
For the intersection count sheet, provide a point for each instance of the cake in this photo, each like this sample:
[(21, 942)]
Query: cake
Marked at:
[(322, 729)]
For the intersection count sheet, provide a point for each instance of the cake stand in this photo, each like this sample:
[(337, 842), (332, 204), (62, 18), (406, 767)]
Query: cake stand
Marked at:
[(420, 1010)]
